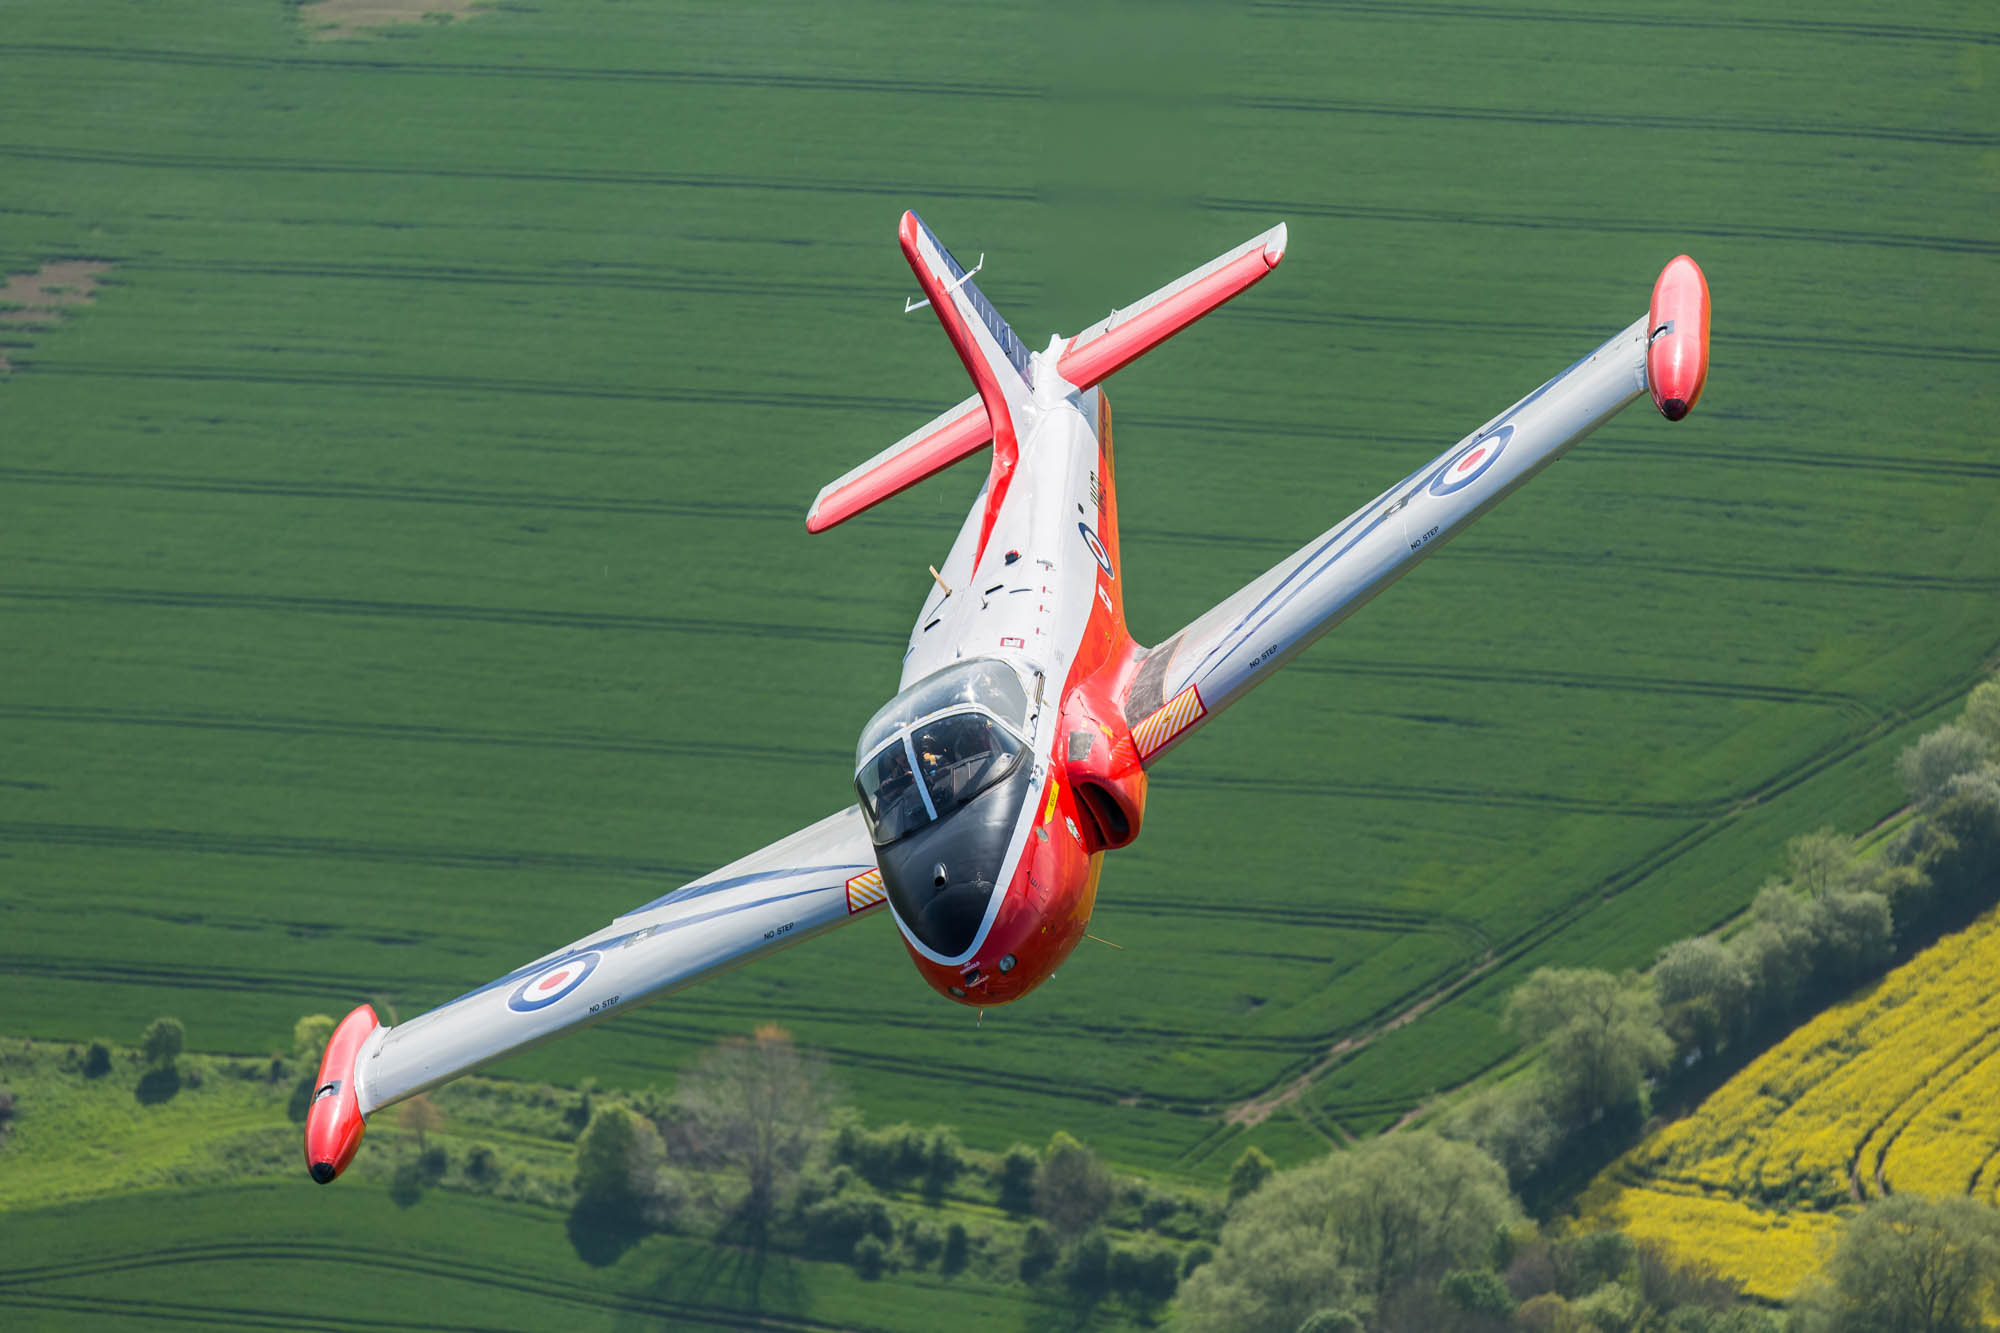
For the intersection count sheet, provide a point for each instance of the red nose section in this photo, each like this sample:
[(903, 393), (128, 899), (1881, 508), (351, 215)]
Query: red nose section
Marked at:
[(333, 1123), (1677, 338)]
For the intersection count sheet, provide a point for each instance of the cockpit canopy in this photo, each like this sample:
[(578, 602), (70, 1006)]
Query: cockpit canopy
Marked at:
[(938, 744)]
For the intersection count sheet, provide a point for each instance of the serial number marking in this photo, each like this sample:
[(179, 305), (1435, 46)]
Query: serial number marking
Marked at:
[(773, 934), (602, 1005)]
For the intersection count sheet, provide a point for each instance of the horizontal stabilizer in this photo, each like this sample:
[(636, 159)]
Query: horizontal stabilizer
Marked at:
[(1100, 351), (1123, 336)]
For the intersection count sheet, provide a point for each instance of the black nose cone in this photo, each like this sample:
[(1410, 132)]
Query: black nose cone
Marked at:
[(1673, 409), (323, 1172)]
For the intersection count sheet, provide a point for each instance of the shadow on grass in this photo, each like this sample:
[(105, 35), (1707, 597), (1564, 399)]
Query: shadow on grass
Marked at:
[(742, 1271), (601, 1234), (158, 1085)]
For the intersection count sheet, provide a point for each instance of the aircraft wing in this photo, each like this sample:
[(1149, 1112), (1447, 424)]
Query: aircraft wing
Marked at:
[(818, 878), (1197, 673)]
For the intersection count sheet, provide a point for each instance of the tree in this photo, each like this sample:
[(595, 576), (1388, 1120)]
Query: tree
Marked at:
[(620, 1170), (309, 1038), (1704, 989), (1937, 758), (97, 1060), (757, 1105), (1072, 1187), (420, 1116), (1821, 861), (1343, 1232), (1016, 1178), (1511, 1122), (163, 1042), (1602, 1034), (1909, 1264), (1252, 1169), (1982, 713)]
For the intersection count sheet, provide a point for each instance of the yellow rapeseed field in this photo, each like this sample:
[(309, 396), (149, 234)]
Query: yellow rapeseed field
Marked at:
[(1896, 1089)]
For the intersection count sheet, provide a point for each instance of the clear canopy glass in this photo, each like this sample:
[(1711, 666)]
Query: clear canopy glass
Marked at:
[(938, 744)]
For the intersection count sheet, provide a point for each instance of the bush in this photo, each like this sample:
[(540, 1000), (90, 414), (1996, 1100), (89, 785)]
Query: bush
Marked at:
[(482, 1165), (1197, 1254), (97, 1061), (944, 1160), (1088, 1272), (833, 1227), (957, 1249), (871, 1256), (1252, 1169), (921, 1241), (1072, 1187), (163, 1042), (1016, 1178), (1145, 1277), (1039, 1251), (1938, 757)]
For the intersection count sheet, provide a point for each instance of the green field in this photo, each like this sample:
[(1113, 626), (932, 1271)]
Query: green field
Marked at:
[(402, 559)]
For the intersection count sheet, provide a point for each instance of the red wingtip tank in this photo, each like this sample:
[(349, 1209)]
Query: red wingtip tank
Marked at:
[(1677, 338), (333, 1121)]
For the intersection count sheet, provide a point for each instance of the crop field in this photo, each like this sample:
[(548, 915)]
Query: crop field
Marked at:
[(405, 441), (252, 1257), (1895, 1090)]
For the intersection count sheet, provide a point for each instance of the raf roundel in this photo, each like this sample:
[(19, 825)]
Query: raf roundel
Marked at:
[(546, 987), (1097, 551), (1470, 465)]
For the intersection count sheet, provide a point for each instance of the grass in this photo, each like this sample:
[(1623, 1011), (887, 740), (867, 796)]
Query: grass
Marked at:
[(251, 1255), (404, 568)]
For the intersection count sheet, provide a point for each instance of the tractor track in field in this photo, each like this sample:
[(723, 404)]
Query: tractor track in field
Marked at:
[(763, 81), (616, 278), (1444, 795), (425, 733), (338, 492), (1965, 1060), (1611, 120), (17, 1288), (1587, 680), (447, 612), (1662, 226), (215, 163), (1431, 10)]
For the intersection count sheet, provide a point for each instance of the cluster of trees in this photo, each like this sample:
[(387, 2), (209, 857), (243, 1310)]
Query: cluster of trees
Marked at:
[(1416, 1233), (746, 1149), (1833, 920)]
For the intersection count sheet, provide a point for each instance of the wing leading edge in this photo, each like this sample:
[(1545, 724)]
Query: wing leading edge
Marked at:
[(1195, 674), (818, 878)]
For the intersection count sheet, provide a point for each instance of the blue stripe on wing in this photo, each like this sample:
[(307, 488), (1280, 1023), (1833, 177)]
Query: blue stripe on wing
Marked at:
[(1373, 516), (692, 891)]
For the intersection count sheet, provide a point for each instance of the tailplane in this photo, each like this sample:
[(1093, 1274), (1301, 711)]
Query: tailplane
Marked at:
[(1003, 372)]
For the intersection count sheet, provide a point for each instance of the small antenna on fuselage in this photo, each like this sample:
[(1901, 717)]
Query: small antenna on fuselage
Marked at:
[(1101, 940)]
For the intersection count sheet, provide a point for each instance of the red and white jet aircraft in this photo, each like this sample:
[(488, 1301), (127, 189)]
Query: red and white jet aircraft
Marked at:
[(1016, 753)]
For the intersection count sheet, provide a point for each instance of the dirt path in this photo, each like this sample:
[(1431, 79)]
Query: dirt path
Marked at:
[(1257, 1110), (333, 20), (37, 300)]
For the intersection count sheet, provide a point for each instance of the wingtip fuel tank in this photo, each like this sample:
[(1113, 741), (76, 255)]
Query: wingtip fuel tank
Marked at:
[(333, 1121), (1677, 338)]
